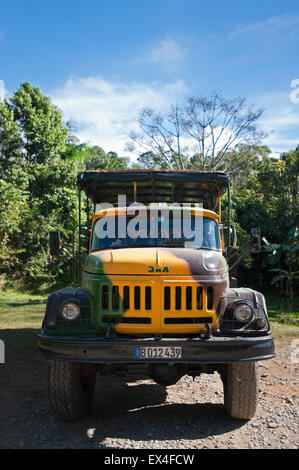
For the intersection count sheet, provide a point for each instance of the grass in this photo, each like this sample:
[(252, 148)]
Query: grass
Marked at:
[(20, 310), (280, 310), (21, 317)]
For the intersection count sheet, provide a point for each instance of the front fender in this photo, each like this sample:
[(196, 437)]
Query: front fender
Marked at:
[(55, 324), (259, 325)]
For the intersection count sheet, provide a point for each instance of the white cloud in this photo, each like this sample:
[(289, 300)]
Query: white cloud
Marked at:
[(165, 52), (3, 92), (273, 24), (280, 120), (104, 112)]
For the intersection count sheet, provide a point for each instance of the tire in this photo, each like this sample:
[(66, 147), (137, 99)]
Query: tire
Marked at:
[(240, 384), (71, 388)]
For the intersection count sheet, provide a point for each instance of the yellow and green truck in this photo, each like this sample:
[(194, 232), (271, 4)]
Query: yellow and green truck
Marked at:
[(159, 303)]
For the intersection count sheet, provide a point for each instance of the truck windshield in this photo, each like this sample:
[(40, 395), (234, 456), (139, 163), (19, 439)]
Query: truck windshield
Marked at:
[(174, 236)]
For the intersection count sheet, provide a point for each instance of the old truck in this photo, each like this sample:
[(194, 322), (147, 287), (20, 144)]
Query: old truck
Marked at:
[(160, 306)]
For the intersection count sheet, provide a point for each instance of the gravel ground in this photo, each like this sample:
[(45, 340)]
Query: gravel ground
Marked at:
[(130, 413)]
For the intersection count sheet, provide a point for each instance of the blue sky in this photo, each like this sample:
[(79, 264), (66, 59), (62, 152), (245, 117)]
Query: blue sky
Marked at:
[(100, 61)]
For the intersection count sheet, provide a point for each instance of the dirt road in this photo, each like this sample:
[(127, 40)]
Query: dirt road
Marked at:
[(140, 414)]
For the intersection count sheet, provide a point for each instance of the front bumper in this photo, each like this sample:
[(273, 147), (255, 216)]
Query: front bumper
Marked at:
[(122, 350)]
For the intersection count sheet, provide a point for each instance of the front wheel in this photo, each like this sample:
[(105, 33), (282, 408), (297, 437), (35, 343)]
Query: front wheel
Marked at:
[(240, 384), (71, 387)]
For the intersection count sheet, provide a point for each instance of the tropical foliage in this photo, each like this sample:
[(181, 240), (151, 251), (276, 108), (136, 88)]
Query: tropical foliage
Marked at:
[(39, 161)]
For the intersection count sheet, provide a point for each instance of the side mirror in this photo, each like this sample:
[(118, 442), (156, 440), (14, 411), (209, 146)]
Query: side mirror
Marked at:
[(54, 243), (256, 244)]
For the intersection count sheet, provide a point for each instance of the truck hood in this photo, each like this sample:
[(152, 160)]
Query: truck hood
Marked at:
[(156, 261)]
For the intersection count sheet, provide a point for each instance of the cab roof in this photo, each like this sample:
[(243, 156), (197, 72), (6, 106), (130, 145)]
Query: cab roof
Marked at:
[(148, 186), (114, 211)]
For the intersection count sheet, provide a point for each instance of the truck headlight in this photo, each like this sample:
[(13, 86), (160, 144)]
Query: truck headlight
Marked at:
[(242, 312), (70, 311)]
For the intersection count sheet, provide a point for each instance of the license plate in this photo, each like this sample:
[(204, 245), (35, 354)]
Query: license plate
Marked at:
[(158, 352)]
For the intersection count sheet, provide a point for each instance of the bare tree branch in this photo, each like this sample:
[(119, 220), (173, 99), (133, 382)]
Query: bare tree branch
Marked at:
[(214, 124)]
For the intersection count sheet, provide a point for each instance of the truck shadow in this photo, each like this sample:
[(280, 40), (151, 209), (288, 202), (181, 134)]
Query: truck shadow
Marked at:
[(27, 303), (140, 412)]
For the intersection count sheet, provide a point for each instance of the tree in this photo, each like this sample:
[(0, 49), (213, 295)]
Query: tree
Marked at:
[(270, 201), (43, 130), (94, 158), (39, 160), (10, 139), (241, 162), (198, 134), (38, 188), (286, 258), (13, 207), (99, 160), (275, 185)]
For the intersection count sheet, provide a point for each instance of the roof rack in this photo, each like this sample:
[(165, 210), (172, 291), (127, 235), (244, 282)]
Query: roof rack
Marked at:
[(148, 186)]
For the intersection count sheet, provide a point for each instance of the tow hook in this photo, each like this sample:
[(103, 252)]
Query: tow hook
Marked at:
[(206, 335)]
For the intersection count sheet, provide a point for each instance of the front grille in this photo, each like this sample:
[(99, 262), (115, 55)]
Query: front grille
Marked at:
[(125, 298), (137, 298), (188, 298), (133, 320), (210, 298), (156, 306), (148, 298), (178, 298), (166, 298), (188, 320), (115, 297)]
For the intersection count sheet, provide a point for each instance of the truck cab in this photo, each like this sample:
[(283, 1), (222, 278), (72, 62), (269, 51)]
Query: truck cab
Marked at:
[(156, 294)]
